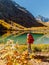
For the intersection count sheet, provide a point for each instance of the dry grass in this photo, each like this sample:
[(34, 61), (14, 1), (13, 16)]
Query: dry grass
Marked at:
[(15, 54)]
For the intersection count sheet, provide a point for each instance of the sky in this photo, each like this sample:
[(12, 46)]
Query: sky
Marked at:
[(36, 7)]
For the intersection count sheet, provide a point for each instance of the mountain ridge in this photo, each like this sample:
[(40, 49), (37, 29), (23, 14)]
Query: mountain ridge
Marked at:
[(11, 11), (42, 18)]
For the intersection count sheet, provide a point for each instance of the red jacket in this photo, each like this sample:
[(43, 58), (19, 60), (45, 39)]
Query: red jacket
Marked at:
[(30, 39)]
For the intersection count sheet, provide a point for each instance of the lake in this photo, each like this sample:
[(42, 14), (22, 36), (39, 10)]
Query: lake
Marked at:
[(39, 38)]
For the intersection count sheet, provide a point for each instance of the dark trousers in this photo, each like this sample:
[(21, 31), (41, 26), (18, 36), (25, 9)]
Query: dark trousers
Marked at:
[(29, 48)]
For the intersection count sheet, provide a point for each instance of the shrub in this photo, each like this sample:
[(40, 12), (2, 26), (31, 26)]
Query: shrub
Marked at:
[(37, 49)]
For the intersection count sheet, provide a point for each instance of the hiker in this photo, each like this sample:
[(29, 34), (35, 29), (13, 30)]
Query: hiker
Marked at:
[(30, 41)]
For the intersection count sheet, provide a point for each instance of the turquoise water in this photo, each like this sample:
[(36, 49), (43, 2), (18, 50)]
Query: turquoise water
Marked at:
[(21, 39), (39, 38)]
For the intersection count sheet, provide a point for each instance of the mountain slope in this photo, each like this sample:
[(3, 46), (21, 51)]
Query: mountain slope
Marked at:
[(47, 23), (2, 29), (11, 11)]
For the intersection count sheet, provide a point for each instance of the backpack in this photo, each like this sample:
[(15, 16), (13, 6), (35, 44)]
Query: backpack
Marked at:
[(30, 38)]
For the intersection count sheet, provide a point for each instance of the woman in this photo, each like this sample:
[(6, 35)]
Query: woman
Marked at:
[(30, 41)]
